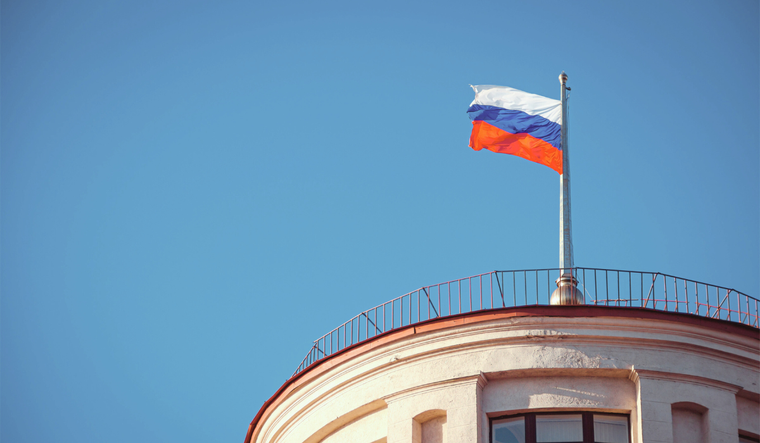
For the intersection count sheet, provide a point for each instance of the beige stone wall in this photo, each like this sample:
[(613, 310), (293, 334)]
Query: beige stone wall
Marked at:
[(689, 425), (661, 393), (748, 416), (443, 384)]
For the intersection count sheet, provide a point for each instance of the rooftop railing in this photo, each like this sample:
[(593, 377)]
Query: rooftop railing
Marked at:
[(500, 289)]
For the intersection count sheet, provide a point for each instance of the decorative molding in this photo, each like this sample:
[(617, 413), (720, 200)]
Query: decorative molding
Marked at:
[(445, 384), (482, 380), (633, 376), (647, 374), (749, 395)]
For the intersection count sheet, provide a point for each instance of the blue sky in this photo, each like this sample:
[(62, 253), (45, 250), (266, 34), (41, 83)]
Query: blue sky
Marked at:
[(192, 192)]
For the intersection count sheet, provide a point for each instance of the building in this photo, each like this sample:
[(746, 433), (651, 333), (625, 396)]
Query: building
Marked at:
[(647, 358)]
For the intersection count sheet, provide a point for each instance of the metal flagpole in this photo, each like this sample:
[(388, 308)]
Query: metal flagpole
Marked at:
[(565, 227), (567, 292)]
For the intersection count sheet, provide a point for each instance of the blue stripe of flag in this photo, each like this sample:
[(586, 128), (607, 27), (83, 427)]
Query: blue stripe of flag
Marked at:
[(518, 122)]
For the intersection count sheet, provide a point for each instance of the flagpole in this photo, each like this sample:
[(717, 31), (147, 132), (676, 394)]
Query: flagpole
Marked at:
[(567, 292), (565, 226)]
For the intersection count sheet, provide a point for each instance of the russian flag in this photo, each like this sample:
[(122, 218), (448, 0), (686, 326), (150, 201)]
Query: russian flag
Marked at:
[(510, 121)]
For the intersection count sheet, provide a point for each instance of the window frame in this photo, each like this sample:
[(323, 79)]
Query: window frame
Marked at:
[(530, 423)]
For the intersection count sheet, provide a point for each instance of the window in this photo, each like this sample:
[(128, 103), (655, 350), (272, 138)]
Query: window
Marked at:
[(561, 427)]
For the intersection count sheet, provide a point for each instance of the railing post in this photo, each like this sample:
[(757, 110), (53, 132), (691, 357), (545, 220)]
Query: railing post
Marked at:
[(490, 282), (469, 287), (514, 289), (480, 286)]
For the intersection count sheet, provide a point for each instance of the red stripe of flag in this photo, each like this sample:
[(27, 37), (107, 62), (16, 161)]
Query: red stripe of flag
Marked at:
[(487, 136)]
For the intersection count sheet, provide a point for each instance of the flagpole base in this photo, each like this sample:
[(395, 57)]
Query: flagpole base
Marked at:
[(567, 292)]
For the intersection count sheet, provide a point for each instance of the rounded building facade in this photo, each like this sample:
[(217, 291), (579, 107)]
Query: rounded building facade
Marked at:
[(528, 374)]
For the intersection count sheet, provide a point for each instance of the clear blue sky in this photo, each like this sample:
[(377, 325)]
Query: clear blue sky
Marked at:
[(192, 192)]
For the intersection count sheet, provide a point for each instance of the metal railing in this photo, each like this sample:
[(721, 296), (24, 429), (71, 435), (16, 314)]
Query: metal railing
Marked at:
[(500, 289)]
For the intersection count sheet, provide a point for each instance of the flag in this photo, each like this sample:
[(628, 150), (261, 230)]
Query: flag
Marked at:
[(511, 121)]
